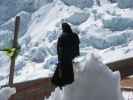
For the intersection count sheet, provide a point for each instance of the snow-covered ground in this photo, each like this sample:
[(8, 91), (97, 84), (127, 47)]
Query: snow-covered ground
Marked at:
[(6, 93), (106, 31)]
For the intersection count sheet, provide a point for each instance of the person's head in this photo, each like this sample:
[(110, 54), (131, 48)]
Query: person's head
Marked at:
[(66, 28)]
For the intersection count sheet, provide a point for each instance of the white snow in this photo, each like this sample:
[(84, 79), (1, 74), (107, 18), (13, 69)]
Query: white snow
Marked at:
[(94, 81), (6, 93)]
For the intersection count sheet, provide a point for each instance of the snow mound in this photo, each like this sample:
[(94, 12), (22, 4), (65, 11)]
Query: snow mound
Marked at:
[(118, 23), (6, 93), (79, 3), (94, 81), (125, 3)]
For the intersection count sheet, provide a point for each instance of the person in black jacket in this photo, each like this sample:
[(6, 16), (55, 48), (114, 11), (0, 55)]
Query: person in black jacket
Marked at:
[(67, 45), (67, 50)]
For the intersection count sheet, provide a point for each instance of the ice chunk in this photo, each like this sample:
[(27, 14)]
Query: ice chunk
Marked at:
[(118, 23), (77, 18), (39, 3), (125, 3), (6, 38), (24, 22), (79, 3), (37, 54), (9, 8)]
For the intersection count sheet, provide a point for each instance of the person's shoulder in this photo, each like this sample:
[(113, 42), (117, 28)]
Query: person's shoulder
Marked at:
[(75, 35), (62, 37)]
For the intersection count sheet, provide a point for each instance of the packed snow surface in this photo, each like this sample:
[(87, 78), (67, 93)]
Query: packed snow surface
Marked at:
[(6, 93), (93, 81)]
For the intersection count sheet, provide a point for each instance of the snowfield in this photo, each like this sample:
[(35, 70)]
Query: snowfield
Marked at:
[(106, 31)]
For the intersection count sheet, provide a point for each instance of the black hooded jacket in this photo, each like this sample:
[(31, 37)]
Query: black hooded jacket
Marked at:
[(67, 50), (67, 46)]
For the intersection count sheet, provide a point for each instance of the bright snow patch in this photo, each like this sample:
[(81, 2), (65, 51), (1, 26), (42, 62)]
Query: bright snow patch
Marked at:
[(6, 93), (93, 81)]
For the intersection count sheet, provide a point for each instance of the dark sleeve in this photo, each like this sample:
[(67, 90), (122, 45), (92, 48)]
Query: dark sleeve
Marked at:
[(77, 39), (78, 42), (59, 48), (76, 45)]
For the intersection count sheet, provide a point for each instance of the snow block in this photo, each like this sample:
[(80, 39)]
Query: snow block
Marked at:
[(24, 22), (125, 3), (5, 39), (40, 3), (118, 23), (37, 54), (9, 8), (79, 3), (77, 18)]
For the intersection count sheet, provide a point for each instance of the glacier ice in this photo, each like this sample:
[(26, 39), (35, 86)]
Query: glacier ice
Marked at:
[(118, 23), (25, 19), (125, 3), (6, 38), (79, 3), (9, 8), (77, 18)]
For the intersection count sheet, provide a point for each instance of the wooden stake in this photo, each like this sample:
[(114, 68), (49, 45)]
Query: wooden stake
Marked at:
[(14, 45)]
